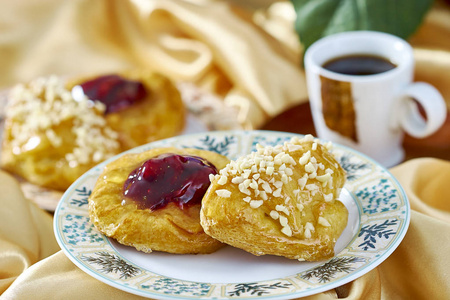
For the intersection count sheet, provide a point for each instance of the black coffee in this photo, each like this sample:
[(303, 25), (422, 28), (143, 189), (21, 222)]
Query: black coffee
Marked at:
[(359, 65)]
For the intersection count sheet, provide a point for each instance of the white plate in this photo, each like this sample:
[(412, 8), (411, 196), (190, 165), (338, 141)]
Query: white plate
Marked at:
[(379, 216)]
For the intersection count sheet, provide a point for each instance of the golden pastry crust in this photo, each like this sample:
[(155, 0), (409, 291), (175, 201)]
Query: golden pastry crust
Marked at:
[(160, 115), (49, 139), (169, 229), (279, 201)]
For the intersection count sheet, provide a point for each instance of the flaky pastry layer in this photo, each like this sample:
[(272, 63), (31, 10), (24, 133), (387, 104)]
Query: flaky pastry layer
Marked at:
[(169, 229), (279, 200)]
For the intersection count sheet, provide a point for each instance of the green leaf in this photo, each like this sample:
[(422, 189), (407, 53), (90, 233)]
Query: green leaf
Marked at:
[(319, 18)]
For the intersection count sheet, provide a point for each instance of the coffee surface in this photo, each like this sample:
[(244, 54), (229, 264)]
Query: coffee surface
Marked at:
[(359, 65)]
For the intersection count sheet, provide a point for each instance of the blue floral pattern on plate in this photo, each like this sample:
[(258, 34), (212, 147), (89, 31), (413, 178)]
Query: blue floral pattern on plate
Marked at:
[(383, 215)]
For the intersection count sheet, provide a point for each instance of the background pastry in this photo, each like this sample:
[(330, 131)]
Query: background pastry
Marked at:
[(56, 131), (152, 200), (141, 106), (279, 200), (49, 138)]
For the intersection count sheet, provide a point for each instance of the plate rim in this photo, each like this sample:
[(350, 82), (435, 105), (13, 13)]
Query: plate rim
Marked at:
[(367, 267)]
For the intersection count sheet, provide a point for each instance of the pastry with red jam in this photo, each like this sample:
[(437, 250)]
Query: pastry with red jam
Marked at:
[(55, 131), (152, 200), (141, 106)]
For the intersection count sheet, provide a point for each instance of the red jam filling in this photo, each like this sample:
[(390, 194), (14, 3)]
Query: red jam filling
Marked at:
[(181, 179), (115, 92)]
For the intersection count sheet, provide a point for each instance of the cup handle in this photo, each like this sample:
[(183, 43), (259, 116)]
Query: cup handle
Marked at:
[(432, 102)]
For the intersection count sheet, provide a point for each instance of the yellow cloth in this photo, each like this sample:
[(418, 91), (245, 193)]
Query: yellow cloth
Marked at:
[(212, 45), (226, 54), (418, 269)]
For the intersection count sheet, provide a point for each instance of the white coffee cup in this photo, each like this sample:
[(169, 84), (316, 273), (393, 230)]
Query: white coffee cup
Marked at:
[(370, 112)]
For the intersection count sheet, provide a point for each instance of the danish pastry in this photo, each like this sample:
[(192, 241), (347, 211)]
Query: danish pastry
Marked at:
[(141, 106), (49, 139), (152, 200), (55, 131), (279, 200)]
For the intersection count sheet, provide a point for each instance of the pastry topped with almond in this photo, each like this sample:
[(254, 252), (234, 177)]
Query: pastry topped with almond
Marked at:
[(49, 138), (152, 200), (280, 200), (140, 106), (55, 131)]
